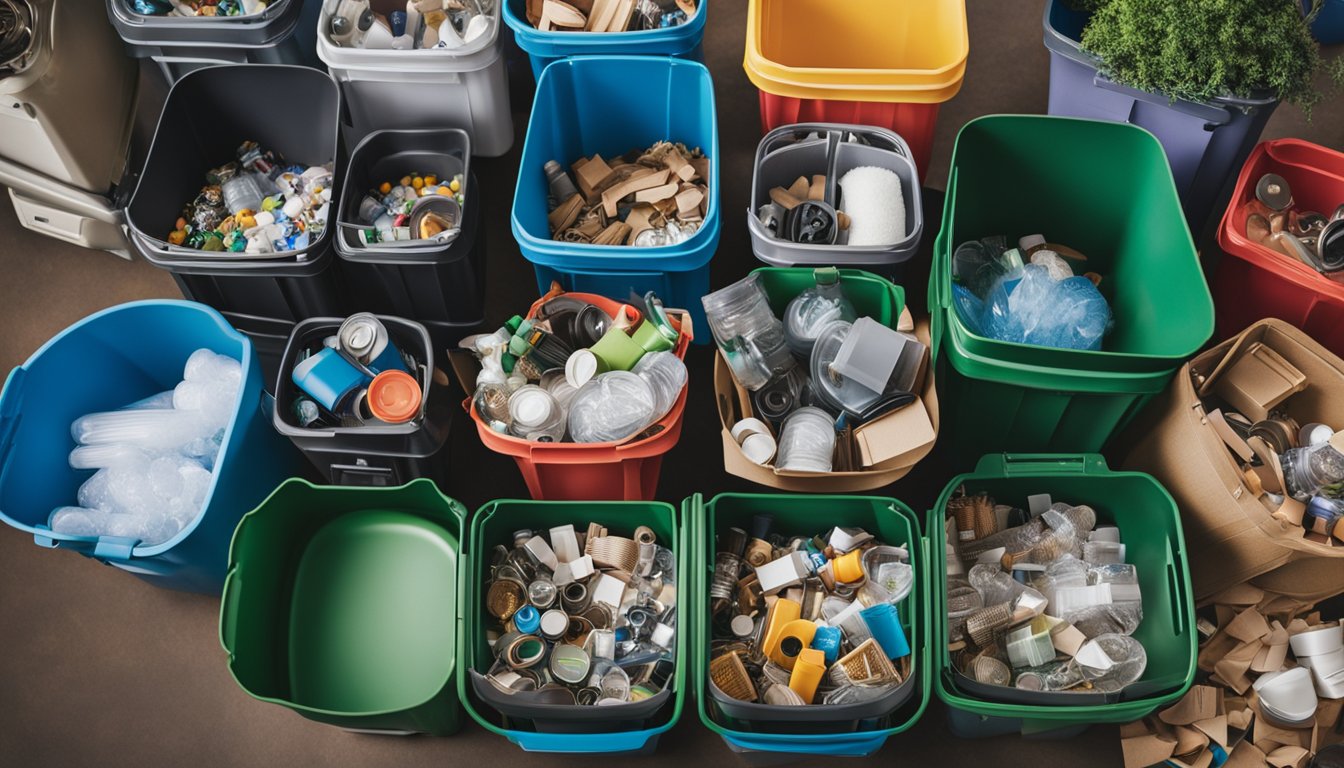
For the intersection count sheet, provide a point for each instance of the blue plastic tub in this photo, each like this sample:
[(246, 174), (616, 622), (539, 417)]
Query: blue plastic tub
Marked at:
[(1206, 142), (1328, 26), (103, 362), (593, 109), (545, 47)]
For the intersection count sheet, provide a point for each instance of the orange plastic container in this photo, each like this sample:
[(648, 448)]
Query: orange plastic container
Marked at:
[(594, 471), (865, 62)]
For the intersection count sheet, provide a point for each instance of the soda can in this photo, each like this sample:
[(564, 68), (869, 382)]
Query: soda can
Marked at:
[(364, 338), (330, 380)]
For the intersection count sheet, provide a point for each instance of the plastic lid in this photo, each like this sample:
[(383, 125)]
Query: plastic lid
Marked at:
[(394, 397), (531, 406), (580, 368), (759, 448)]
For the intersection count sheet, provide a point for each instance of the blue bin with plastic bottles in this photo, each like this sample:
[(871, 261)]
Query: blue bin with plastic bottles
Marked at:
[(682, 41), (1328, 26), (609, 105), (103, 362)]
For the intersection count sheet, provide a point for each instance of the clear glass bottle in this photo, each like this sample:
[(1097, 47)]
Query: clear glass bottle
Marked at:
[(1316, 470)]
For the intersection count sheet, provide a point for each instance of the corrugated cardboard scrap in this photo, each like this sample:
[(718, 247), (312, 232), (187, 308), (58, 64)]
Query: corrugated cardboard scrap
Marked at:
[(1223, 715)]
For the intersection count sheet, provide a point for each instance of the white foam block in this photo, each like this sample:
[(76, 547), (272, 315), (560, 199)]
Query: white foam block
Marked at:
[(565, 543), (542, 552), (582, 568), (873, 200), (608, 590)]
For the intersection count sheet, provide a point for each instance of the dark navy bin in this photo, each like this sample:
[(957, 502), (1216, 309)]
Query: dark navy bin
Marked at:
[(1328, 26), (545, 47), (592, 109), (1206, 142), (103, 362)]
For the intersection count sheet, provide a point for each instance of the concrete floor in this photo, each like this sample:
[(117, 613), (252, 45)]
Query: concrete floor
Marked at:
[(100, 668)]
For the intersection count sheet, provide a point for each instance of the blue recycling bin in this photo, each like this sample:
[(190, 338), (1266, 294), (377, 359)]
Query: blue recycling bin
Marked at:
[(103, 362), (683, 41), (610, 105)]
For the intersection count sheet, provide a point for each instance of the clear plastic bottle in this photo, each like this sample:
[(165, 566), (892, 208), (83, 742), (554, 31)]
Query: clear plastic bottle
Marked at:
[(1316, 470), (814, 309), (748, 333)]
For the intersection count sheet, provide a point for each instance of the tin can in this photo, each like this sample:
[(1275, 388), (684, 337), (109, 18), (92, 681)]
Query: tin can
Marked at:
[(330, 380), (364, 338)]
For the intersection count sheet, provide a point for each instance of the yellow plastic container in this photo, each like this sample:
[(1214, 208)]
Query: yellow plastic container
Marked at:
[(858, 50)]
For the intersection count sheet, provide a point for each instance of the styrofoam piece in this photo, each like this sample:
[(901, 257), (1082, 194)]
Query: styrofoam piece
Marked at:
[(565, 543)]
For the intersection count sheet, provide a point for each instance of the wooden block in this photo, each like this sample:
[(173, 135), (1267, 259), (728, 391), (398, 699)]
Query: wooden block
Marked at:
[(818, 189), (592, 176), (800, 188), (688, 202), (562, 14), (600, 17), (534, 10), (641, 218), (701, 166), (843, 219), (629, 187), (620, 18), (615, 234), (781, 197), (678, 166), (565, 214), (654, 194)]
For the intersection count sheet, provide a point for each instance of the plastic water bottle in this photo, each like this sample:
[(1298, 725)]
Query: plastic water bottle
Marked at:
[(1315, 470)]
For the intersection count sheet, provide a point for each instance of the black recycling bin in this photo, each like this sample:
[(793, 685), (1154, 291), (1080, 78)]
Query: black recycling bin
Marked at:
[(181, 44), (293, 111), (441, 285), (373, 454)]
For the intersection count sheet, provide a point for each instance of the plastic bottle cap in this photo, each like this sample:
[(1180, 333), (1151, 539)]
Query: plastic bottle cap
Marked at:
[(744, 427), (394, 397), (531, 407), (580, 368)]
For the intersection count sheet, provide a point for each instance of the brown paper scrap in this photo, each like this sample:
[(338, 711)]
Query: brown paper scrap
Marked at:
[(1201, 702)]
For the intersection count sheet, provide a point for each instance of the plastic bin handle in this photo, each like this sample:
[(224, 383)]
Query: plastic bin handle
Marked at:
[(620, 741), (1210, 114), (1180, 607), (1028, 464)]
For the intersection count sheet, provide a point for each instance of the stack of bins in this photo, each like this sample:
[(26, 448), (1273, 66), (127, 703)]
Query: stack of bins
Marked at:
[(1122, 212), (441, 285), (464, 87), (628, 727), (865, 61), (1150, 528), (1252, 281), (291, 111), (341, 604), (542, 48), (108, 359), (1204, 141), (586, 106), (181, 44), (375, 454), (815, 730), (575, 471), (810, 149)]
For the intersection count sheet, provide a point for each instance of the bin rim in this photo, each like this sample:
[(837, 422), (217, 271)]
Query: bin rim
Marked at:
[(161, 254), (418, 485), (1002, 466), (706, 238), (245, 393), (1058, 42), (940, 282), (693, 508), (1233, 243), (145, 30), (535, 41), (465, 598), (478, 54)]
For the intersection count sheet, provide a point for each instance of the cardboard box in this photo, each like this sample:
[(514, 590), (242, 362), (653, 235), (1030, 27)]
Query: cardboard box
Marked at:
[(893, 443)]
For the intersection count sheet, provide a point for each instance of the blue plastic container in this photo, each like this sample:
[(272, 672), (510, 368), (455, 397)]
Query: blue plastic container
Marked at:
[(592, 108), (1206, 142), (542, 48), (103, 362), (1328, 26)]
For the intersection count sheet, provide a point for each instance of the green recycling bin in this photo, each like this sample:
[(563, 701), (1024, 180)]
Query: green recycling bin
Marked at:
[(818, 730), (1150, 529), (630, 727), (1017, 175), (341, 604)]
